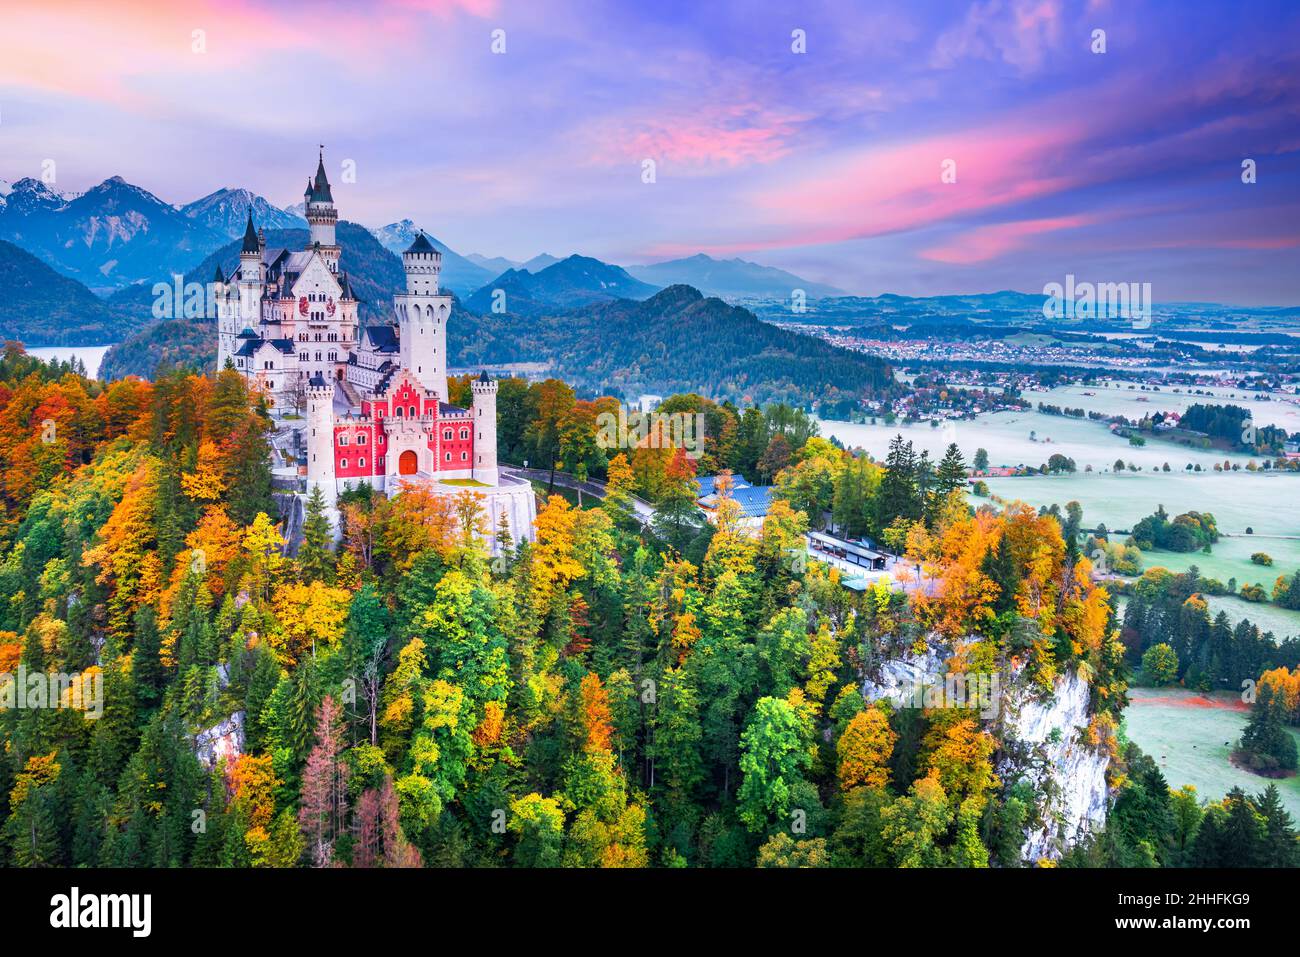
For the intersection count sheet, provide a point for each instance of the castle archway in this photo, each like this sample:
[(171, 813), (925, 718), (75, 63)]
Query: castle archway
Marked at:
[(406, 463)]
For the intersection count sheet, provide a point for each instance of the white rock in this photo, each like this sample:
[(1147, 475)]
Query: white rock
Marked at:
[(1069, 776), (225, 739)]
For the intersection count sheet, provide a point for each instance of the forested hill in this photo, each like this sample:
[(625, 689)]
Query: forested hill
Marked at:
[(174, 344), (675, 341), (41, 307)]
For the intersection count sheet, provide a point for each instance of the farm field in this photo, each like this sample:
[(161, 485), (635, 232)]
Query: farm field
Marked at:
[(1282, 622), (1265, 502), (1231, 559), (1006, 435), (1116, 398), (1190, 735)]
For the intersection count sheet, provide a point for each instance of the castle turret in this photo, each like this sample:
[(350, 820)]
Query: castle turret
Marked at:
[(422, 313), (320, 438), (321, 215), (252, 278), (485, 429)]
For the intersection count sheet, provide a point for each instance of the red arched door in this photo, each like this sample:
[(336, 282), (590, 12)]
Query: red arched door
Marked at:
[(406, 464)]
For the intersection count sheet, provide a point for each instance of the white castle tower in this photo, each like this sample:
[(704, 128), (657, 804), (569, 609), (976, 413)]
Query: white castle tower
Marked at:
[(485, 429), (322, 217), (422, 314), (320, 438)]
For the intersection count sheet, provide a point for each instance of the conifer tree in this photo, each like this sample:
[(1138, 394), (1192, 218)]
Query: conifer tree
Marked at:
[(315, 557)]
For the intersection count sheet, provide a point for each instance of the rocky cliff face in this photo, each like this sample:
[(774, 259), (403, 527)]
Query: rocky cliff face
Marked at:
[(1069, 776), (225, 739), (1040, 739)]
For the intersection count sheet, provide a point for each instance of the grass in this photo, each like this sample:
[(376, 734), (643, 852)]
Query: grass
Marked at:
[(1230, 558), (1282, 622), (1191, 743), (568, 494), (465, 483)]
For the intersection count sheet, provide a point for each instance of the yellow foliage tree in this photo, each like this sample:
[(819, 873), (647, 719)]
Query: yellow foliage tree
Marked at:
[(864, 750), (308, 614)]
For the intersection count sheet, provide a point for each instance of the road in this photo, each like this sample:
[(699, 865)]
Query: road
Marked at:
[(644, 510)]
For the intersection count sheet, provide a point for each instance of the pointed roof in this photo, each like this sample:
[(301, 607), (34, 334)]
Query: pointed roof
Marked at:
[(483, 376), (219, 277), (251, 244), (421, 244), (320, 192)]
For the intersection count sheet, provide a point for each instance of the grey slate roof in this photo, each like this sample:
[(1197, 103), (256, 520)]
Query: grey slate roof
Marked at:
[(382, 338), (251, 243), (421, 244)]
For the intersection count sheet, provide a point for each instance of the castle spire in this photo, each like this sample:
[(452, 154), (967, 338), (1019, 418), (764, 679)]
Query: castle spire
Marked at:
[(321, 191), (251, 244)]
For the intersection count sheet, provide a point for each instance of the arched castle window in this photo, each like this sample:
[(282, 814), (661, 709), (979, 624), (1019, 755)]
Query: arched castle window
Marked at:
[(446, 435)]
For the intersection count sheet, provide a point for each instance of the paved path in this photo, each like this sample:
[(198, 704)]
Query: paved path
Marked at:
[(644, 510)]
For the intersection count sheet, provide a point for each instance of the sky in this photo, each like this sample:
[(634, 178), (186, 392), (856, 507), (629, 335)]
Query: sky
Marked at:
[(809, 135)]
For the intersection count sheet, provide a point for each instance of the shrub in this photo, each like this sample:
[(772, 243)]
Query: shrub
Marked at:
[(1160, 665), (1254, 593)]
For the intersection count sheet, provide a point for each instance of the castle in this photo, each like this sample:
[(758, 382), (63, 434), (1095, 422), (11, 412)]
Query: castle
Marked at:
[(375, 397)]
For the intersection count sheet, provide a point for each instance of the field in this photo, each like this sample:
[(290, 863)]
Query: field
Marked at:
[(1262, 501), (1237, 500), (1282, 622), (1190, 736), (1006, 435)]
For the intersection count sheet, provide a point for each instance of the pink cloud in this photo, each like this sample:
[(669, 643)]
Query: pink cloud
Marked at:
[(85, 51), (1021, 33), (723, 135), (898, 187), (989, 242)]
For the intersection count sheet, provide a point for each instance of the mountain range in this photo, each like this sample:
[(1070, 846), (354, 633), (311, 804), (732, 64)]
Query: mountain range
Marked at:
[(459, 273), (117, 234), (107, 237), (675, 341), (730, 278), (226, 212), (564, 285)]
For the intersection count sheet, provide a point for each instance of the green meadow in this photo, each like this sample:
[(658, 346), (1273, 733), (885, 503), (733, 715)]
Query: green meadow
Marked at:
[(1191, 743)]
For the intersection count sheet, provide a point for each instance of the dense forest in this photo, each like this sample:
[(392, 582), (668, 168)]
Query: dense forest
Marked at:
[(606, 695), (675, 341), (47, 308)]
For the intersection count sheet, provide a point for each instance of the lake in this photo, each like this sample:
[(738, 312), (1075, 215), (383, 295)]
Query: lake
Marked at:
[(91, 356)]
